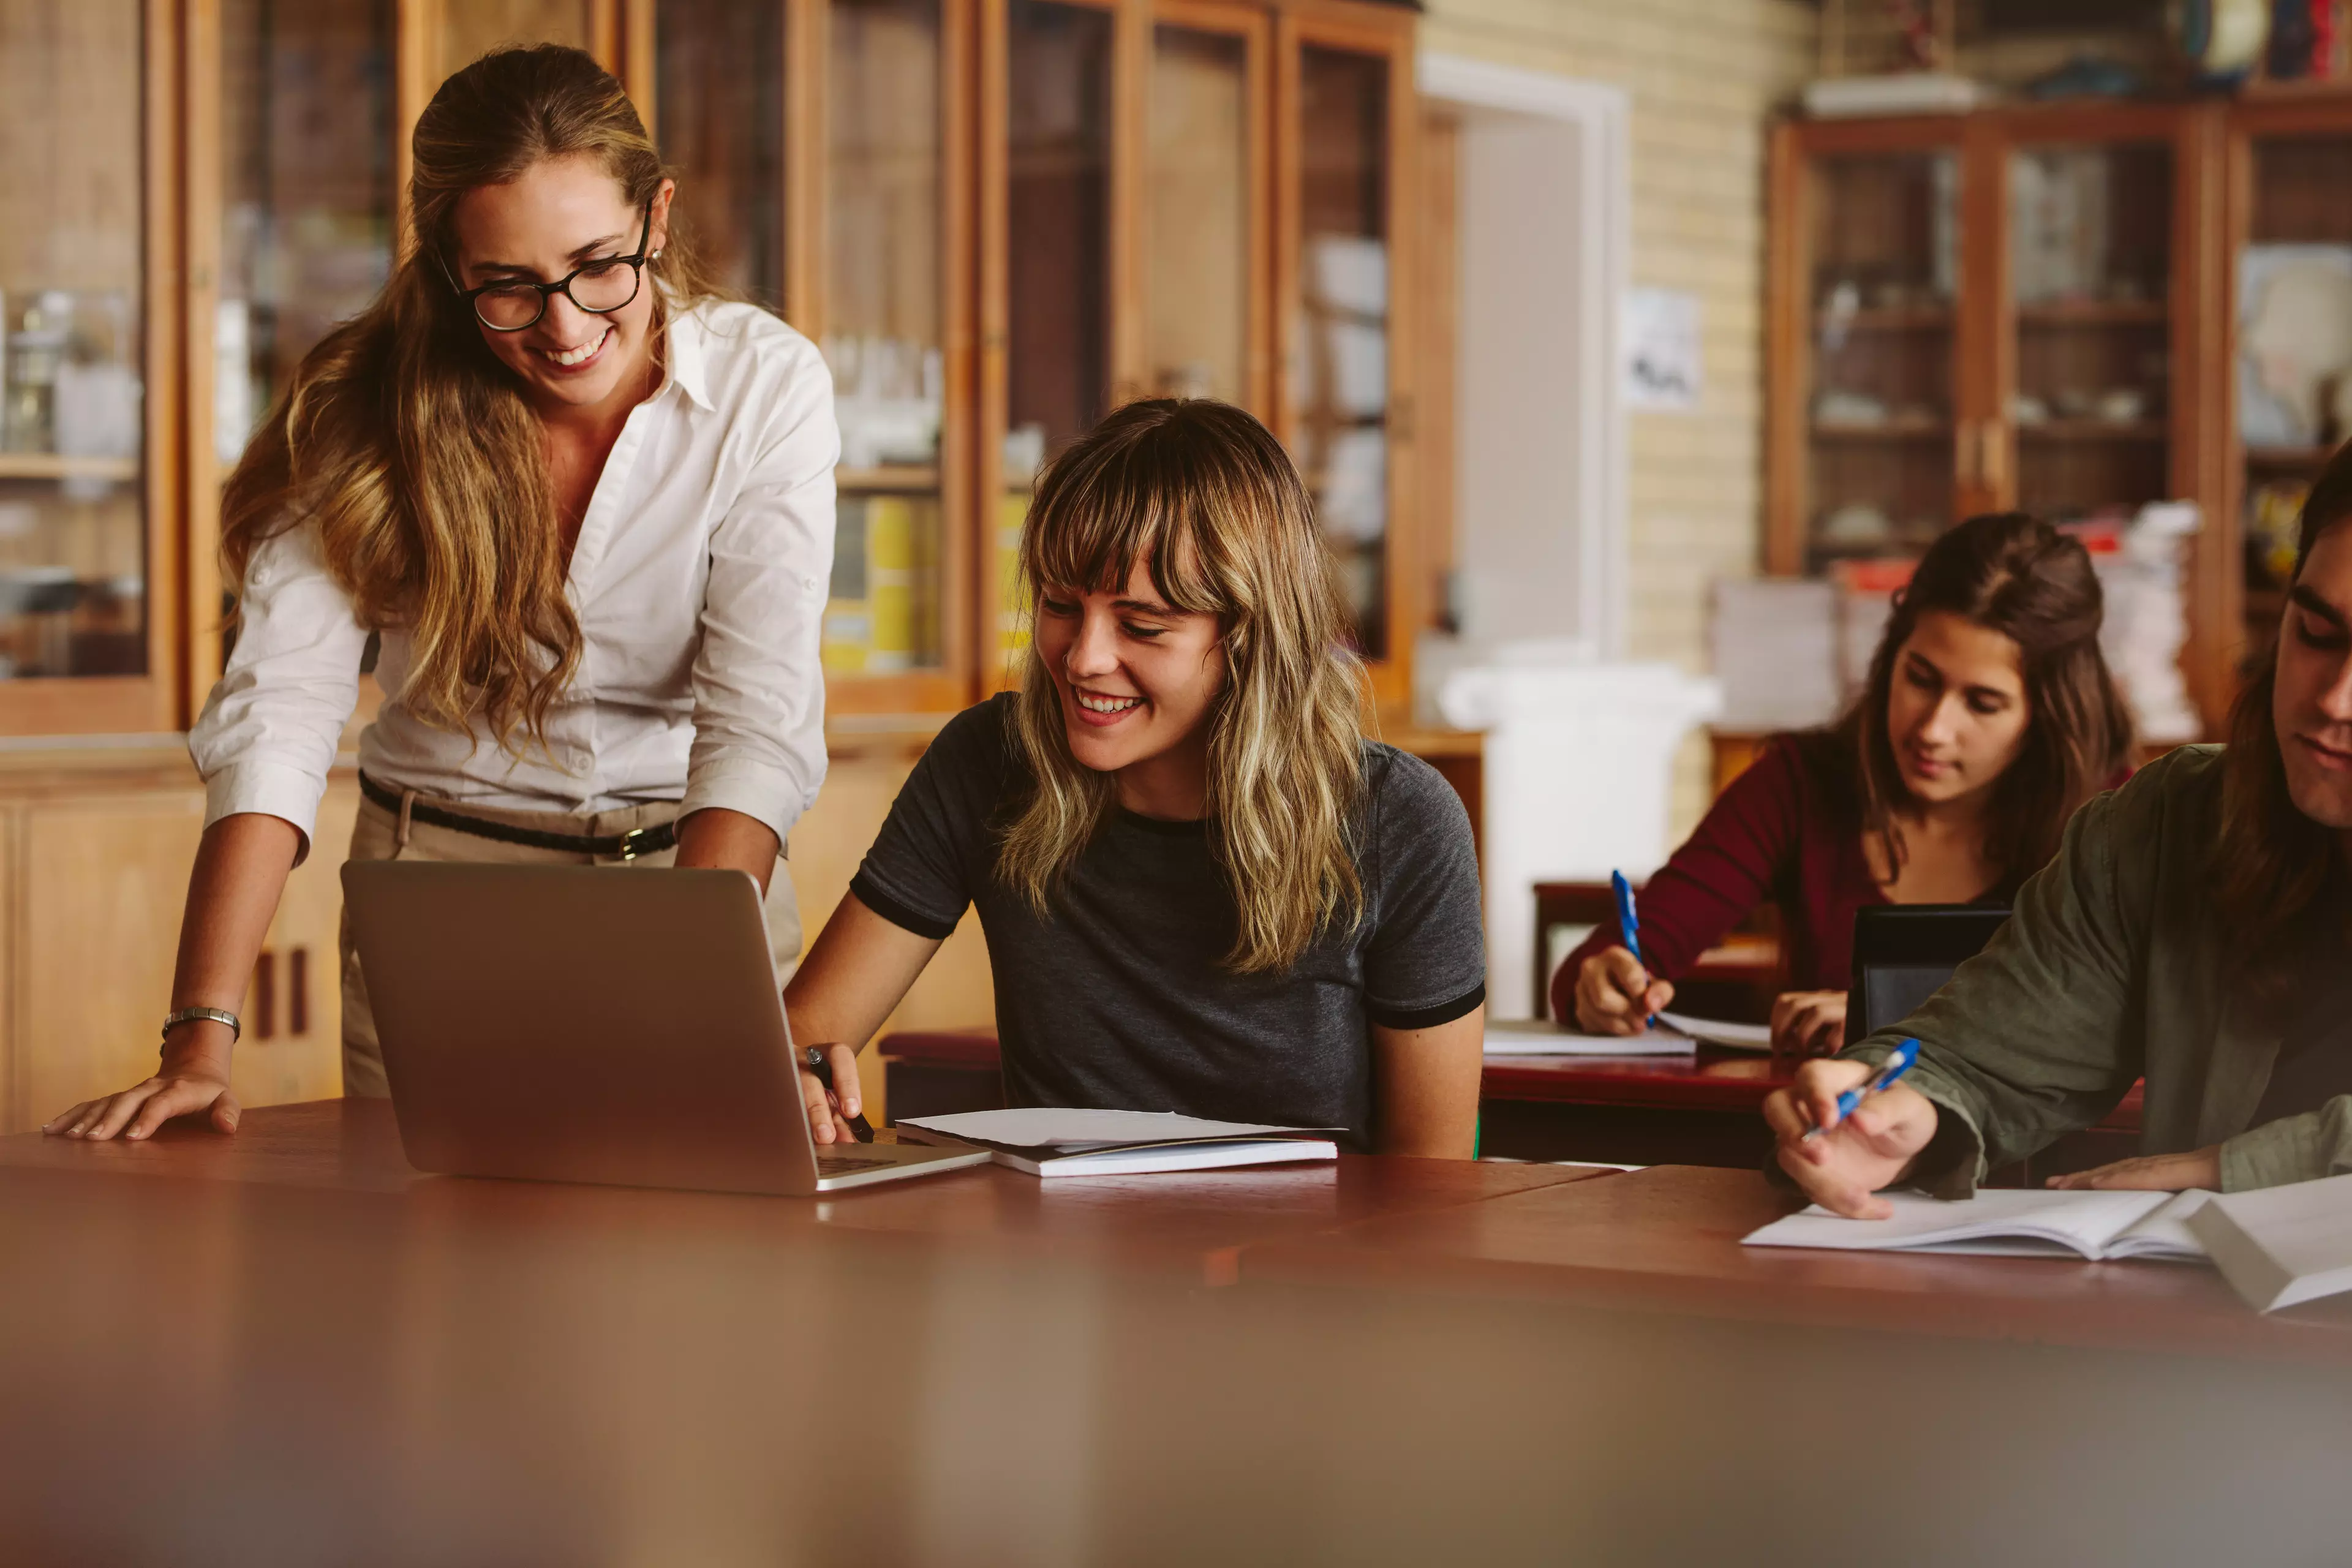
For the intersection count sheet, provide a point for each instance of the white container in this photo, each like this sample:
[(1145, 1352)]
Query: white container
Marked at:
[(1579, 782)]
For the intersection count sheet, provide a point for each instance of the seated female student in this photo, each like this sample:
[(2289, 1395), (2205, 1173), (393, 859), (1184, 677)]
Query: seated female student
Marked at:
[(1989, 718), (1204, 889)]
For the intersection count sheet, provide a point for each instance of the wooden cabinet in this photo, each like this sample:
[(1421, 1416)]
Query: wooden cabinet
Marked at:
[(2015, 309), (94, 856), (999, 217)]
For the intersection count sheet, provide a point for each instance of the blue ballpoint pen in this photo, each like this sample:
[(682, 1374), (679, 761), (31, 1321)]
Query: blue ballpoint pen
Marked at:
[(1895, 1067), (1628, 928)]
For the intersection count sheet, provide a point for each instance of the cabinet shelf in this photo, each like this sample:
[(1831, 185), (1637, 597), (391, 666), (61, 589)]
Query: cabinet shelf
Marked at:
[(51, 466), (2095, 313), (1894, 319), (1881, 430), (2056, 430)]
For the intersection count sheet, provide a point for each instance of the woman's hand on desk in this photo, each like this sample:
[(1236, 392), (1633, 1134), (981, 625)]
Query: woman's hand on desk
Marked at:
[(190, 1080), (829, 1114), (1615, 995), (1843, 1169), (2152, 1173), (1808, 1023)]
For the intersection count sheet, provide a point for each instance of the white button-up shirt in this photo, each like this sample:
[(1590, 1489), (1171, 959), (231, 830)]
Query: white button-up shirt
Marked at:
[(699, 580)]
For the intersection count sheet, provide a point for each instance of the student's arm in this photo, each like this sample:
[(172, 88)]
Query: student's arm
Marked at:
[(859, 969), (1726, 868), (1425, 1082), (2035, 1038)]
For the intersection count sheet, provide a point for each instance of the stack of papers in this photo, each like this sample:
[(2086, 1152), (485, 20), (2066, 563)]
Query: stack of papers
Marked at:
[(2025, 1223), (1048, 1142)]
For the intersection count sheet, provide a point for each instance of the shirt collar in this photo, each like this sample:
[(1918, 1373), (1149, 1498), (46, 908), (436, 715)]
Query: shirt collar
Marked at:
[(684, 357)]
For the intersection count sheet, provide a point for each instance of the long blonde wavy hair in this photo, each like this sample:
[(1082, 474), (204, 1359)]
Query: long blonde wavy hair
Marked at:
[(409, 447), (1206, 497)]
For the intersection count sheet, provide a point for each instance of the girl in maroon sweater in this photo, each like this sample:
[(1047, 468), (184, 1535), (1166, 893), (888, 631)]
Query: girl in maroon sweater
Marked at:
[(1989, 718)]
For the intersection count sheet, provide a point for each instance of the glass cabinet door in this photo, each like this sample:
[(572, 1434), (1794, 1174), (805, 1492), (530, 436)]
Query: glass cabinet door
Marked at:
[(1341, 392), (307, 135), (1056, 265), (2292, 333), (1884, 240), (2090, 246), (468, 29), (719, 70), (1197, 220), (74, 407), (885, 272)]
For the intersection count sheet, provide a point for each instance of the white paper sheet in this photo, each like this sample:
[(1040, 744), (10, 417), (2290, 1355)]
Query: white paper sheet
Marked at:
[(1719, 1031)]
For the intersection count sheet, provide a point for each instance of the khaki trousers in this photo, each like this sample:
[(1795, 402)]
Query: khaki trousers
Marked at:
[(383, 835)]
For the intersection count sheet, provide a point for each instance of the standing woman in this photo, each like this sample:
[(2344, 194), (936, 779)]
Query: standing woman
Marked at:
[(588, 507)]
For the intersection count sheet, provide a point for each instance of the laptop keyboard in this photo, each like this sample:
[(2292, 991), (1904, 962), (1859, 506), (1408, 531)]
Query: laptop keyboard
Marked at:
[(847, 1164)]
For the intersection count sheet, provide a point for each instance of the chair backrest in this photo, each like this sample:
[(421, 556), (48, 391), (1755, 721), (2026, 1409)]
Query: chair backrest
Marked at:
[(1903, 955)]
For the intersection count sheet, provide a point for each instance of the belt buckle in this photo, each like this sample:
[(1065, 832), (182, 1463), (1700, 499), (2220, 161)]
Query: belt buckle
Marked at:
[(629, 841)]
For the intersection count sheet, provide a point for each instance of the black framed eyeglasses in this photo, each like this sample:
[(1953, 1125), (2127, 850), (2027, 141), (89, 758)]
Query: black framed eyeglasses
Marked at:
[(600, 288)]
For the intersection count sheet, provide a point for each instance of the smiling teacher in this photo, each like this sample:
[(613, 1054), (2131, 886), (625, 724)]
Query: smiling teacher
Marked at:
[(588, 506)]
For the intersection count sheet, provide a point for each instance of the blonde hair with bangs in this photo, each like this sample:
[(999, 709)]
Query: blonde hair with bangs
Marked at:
[(1207, 500)]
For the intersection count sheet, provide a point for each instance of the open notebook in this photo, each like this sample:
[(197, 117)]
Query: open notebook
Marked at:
[(1047, 1142), (2025, 1223), (2279, 1245)]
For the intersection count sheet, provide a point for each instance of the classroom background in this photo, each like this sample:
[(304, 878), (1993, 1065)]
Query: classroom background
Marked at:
[(1631, 354)]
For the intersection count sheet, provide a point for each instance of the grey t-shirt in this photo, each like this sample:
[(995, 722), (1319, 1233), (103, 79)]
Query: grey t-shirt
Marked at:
[(1118, 1000)]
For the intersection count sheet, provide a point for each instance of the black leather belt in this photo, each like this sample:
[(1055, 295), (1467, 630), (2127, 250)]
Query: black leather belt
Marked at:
[(626, 846)]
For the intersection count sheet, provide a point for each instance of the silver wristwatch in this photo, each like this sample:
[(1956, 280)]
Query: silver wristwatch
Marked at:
[(187, 1015)]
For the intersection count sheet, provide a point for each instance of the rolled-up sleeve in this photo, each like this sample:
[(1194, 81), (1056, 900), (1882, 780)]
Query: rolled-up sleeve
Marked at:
[(759, 687), (267, 735)]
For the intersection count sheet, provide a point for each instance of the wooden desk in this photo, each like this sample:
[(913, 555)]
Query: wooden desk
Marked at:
[(1193, 1223), (305, 1357), (1705, 1110), (1668, 1238)]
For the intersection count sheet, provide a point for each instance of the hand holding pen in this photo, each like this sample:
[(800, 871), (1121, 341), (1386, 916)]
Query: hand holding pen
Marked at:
[(1614, 993), (1846, 1130)]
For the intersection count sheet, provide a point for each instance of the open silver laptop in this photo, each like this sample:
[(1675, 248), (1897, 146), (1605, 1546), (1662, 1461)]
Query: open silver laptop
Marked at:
[(564, 1023)]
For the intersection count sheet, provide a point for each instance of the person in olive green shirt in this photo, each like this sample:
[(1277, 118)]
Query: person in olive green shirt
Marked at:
[(2195, 928)]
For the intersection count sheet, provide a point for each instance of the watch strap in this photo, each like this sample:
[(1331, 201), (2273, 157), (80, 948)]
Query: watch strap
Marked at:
[(189, 1015)]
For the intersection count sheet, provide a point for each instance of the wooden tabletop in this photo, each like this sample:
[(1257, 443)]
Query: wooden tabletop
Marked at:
[(1668, 1237), (1194, 1222), (285, 1349)]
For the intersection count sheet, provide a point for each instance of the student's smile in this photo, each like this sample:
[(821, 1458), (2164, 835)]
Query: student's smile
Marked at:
[(580, 358), (1102, 710)]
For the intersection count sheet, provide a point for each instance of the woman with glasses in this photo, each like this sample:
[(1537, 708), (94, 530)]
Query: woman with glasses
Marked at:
[(586, 503)]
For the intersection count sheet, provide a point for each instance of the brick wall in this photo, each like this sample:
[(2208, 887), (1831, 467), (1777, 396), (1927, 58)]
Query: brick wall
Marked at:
[(1702, 76)]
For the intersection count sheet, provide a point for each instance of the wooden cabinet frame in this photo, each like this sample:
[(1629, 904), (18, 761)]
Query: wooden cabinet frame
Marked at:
[(1985, 333)]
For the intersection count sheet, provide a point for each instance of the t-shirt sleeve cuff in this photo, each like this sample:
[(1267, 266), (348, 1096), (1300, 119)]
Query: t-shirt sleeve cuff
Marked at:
[(1389, 1018), (896, 913), (267, 789)]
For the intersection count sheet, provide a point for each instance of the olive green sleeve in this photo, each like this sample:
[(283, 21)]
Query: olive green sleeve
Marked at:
[(2039, 1035), (2292, 1149)]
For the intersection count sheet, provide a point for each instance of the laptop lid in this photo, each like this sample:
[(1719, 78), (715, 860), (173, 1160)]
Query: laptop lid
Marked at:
[(1903, 955), (572, 1023)]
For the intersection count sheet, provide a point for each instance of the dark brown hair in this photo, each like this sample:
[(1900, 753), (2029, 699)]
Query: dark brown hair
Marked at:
[(407, 443), (2020, 577), (2270, 862)]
